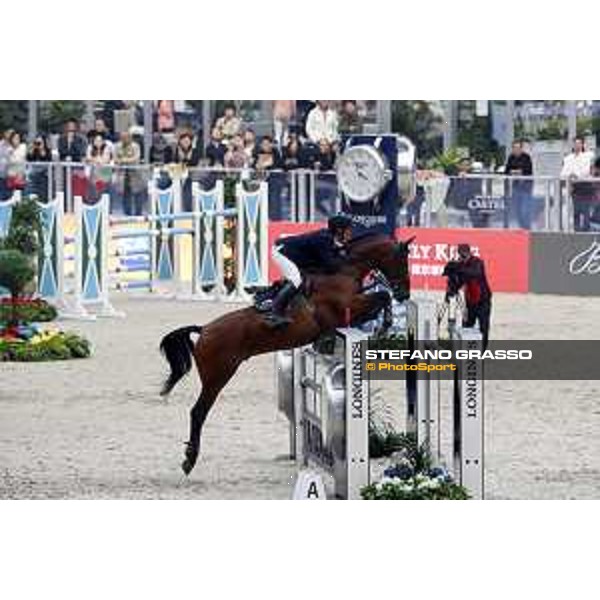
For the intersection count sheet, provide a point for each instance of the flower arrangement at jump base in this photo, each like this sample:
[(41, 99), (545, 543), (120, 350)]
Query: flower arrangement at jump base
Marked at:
[(22, 337), (413, 475), (27, 309), (34, 342)]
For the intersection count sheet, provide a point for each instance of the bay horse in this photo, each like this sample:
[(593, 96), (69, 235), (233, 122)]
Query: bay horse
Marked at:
[(333, 301)]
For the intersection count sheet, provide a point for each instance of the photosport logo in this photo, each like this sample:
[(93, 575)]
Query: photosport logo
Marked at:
[(467, 360), (586, 262)]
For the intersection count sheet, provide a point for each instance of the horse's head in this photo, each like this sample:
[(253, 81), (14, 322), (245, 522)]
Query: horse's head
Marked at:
[(395, 269), (390, 257)]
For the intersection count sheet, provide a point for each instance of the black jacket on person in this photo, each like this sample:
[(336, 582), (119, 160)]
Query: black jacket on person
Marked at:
[(524, 164), (215, 153), (315, 251), (470, 274), (75, 150), (188, 159), (521, 162)]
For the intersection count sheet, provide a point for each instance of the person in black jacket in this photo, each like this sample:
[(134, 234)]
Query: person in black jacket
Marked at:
[(469, 273), (520, 167), (71, 145), (323, 251), (186, 155), (216, 149), (39, 152)]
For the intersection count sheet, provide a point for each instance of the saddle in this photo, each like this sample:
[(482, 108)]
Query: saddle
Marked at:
[(263, 297)]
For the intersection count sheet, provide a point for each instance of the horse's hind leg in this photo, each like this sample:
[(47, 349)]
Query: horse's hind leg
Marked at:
[(211, 387)]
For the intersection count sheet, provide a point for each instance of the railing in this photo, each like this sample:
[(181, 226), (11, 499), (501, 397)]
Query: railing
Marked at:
[(302, 195), (490, 200)]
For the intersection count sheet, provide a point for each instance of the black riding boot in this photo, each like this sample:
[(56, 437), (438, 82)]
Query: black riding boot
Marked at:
[(276, 316)]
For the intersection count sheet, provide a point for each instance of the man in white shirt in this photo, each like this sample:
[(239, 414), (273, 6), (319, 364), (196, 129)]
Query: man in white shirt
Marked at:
[(578, 164), (322, 123)]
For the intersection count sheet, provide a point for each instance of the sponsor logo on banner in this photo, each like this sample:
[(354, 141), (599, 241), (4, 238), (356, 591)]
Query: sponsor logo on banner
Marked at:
[(486, 204), (504, 252), (565, 263), (586, 262)]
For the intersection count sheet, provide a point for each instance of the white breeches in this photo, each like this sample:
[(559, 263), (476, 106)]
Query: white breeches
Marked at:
[(288, 269)]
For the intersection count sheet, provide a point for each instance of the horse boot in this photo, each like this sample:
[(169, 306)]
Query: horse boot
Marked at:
[(276, 316)]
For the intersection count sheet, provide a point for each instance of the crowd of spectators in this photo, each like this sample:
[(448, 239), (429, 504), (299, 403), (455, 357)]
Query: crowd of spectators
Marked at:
[(302, 137), (517, 204)]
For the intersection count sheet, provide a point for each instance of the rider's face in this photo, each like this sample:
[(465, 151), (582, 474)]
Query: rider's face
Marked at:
[(343, 236)]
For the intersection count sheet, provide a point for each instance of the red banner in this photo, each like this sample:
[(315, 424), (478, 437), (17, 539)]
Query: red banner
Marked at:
[(505, 253)]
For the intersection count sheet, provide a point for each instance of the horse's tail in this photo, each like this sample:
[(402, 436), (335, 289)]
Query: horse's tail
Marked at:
[(177, 347)]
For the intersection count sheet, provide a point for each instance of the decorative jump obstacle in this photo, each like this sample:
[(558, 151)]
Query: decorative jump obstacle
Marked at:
[(205, 226), (74, 283), (159, 257), (326, 399), (323, 395)]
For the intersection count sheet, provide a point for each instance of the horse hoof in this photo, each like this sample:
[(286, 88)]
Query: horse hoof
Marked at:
[(187, 466)]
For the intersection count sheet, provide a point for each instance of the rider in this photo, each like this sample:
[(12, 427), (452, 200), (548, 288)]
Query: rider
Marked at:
[(323, 250), (469, 272)]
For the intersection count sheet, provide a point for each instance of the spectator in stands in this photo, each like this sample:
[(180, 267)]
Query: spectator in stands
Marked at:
[(283, 113), (130, 180), (462, 190), (350, 121), (187, 156), (268, 157), (577, 166), (519, 165), (235, 157), (166, 116), (16, 162), (216, 149), (185, 152), (309, 155), (99, 156), (5, 152), (292, 154), (595, 211), (160, 151), (71, 145), (38, 175), (100, 128), (229, 124), (326, 159), (414, 204), (250, 146), (322, 123)]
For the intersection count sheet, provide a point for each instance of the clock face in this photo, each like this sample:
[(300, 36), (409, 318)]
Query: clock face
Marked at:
[(361, 173)]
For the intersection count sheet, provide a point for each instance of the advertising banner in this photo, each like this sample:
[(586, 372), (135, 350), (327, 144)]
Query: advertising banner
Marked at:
[(505, 253), (562, 263)]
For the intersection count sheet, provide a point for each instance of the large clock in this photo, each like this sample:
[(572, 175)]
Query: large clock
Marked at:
[(362, 173)]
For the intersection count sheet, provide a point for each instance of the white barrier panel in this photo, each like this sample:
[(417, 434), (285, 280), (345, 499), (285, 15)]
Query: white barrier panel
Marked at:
[(468, 418), (326, 399)]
